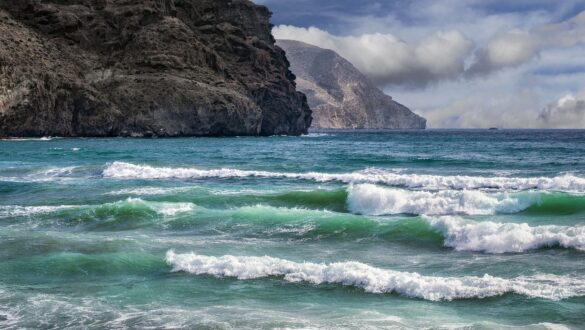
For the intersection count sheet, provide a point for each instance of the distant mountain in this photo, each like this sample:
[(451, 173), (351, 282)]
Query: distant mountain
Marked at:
[(340, 95)]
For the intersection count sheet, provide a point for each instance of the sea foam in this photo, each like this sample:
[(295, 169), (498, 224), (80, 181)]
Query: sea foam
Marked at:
[(377, 280), (122, 170), (369, 199), (22, 211), (149, 191), (494, 237), (163, 208)]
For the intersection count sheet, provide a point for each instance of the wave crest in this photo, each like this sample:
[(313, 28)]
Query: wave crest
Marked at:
[(369, 199), (163, 208), (130, 205), (494, 237), (122, 170), (377, 280), (7, 211)]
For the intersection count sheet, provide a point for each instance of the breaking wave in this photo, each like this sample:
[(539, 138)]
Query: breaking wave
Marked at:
[(494, 237), (126, 207), (369, 199), (122, 170), (148, 191), (378, 280), (45, 175), (162, 208), (22, 211)]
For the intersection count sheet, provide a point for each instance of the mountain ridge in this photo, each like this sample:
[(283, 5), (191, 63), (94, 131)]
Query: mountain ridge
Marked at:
[(340, 96)]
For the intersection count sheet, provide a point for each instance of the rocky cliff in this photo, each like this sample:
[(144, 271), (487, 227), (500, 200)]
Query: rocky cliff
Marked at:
[(144, 68), (340, 95)]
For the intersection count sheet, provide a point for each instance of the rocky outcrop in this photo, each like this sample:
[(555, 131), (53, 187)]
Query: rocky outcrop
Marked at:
[(144, 68), (340, 95)]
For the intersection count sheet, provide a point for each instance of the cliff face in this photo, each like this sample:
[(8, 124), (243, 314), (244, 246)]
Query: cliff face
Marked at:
[(341, 96), (144, 68)]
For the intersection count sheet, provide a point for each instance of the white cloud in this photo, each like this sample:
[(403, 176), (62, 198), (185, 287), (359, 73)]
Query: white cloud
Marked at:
[(387, 60), (500, 100), (511, 98), (507, 49), (567, 112), (494, 69), (516, 47)]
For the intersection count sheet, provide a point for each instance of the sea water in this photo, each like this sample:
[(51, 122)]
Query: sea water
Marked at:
[(388, 229)]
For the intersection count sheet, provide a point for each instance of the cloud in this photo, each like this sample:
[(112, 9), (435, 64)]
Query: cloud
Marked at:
[(484, 103), (507, 49), (525, 55), (439, 56), (387, 60), (567, 112), (517, 47), (511, 98)]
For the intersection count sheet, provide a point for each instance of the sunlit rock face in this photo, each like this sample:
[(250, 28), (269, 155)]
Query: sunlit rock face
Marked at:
[(340, 95)]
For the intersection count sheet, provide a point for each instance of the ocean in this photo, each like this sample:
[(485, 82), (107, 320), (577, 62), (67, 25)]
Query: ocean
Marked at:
[(454, 229)]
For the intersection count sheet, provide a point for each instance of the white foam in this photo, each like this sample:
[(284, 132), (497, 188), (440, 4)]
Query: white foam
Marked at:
[(55, 172), (45, 138), (377, 280), (494, 237), (45, 175), (554, 326), (234, 192), (370, 199), (315, 135), (23, 211), (567, 182), (163, 208), (172, 209), (148, 191)]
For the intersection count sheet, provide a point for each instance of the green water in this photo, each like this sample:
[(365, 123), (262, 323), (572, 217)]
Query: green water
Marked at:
[(404, 229)]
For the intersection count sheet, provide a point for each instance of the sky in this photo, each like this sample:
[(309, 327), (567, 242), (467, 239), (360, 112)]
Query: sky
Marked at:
[(459, 63)]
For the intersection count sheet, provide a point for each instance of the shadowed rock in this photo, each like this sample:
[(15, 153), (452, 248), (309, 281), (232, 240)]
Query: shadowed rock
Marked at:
[(144, 68)]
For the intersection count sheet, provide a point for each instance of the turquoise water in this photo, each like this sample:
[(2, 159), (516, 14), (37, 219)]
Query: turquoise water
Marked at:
[(413, 229)]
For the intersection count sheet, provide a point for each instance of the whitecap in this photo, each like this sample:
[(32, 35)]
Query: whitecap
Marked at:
[(44, 138), (315, 135), (22, 211), (45, 175), (163, 208), (122, 170), (369, 199), (495, 237), (146, 191), (378, 280)]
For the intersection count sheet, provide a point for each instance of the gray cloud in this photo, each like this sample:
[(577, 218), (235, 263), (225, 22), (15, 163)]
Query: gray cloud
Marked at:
[(567, 112), (387, 60), (442, 55), (516, 47), (502, 70)]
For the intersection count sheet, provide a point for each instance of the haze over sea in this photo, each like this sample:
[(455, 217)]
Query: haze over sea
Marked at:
[(396, 229)]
